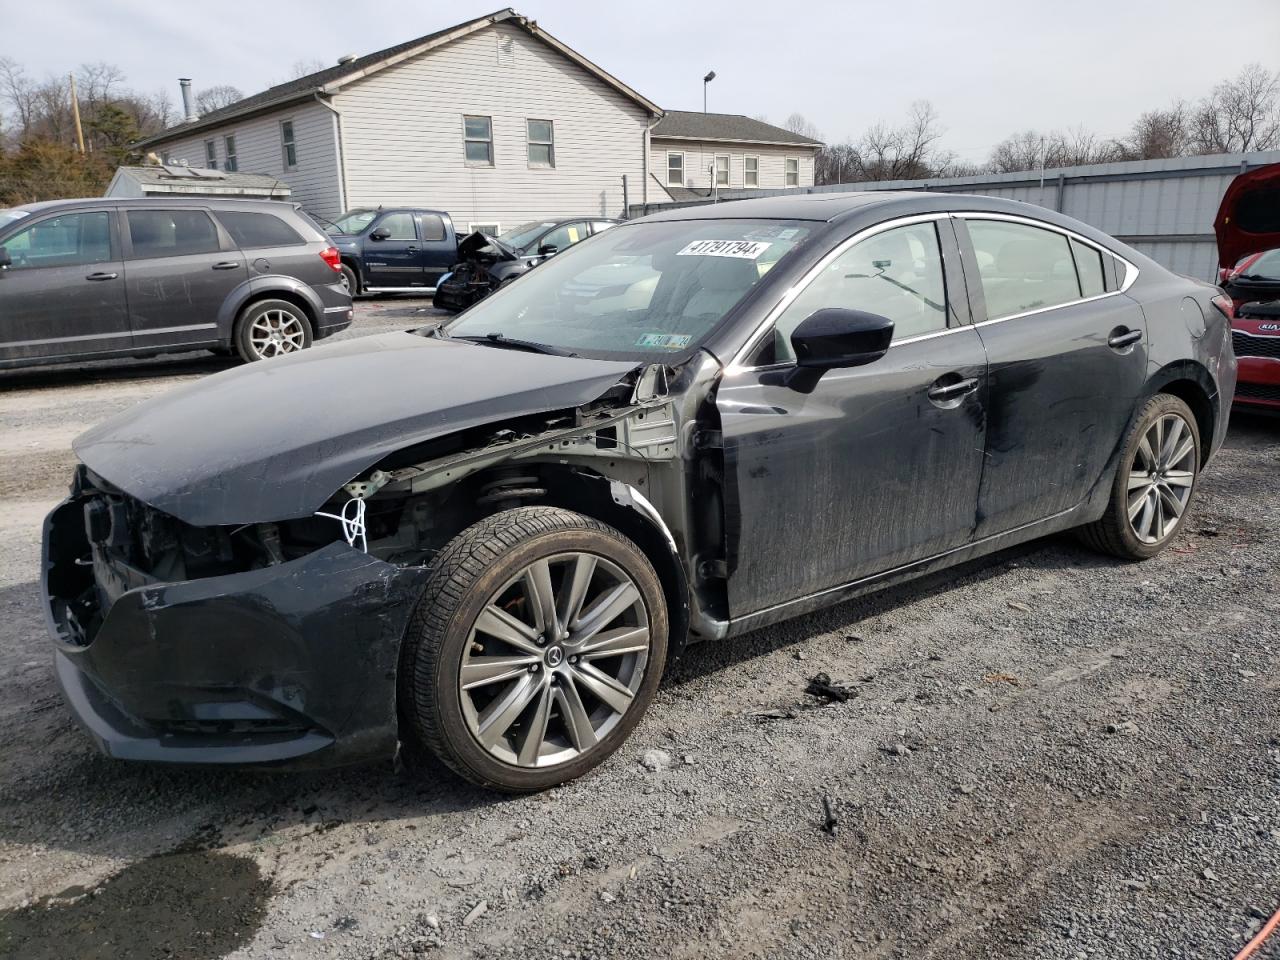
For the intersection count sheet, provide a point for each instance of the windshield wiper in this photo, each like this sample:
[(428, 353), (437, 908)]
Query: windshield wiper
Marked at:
[(508, 343)]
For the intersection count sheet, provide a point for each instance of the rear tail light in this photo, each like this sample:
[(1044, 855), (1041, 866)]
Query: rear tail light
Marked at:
[(1226, 306), (331, 256)]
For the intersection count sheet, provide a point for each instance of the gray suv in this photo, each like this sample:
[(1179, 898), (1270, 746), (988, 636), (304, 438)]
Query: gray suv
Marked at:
[(84, 279)]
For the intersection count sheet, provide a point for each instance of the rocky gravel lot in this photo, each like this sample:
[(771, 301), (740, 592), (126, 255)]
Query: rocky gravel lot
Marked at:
[(1048, 754)]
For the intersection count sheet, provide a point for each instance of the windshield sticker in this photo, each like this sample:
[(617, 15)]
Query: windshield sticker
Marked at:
[(741, 249), (774, 233), (667, 341)]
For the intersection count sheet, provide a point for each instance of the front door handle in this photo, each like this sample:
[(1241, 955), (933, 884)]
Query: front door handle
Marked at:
[(411, 248), (948, 393), (102, 276), (1122, 337), (226, 265)]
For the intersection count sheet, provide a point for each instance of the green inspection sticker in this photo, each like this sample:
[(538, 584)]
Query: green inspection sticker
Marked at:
[(667, 341)]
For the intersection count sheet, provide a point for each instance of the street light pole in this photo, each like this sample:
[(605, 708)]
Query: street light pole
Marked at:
[(705, 80)]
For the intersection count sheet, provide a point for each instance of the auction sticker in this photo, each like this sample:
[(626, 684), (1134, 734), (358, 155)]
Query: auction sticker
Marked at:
[(669, 341), (742, 249)]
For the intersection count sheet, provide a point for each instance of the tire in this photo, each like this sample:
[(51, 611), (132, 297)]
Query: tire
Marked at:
[(536, 719), (1137, 525), (350, 280), (255, 330)]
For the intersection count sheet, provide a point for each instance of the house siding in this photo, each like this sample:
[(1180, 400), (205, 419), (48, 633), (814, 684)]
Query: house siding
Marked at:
[(402, 132), (699, 156), (316, 180)]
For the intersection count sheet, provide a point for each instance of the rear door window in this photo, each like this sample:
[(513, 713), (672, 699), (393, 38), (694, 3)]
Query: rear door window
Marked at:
[(65, 241), (171, 233), (1089, 267), (1022, 267), (258, 229), (432, 227)]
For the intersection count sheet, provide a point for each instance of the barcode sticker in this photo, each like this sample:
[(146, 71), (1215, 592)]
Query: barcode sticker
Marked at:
[(741, 249)]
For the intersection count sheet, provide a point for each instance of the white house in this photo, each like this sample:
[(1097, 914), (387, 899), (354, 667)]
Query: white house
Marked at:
[(493, 120), (694, 154)]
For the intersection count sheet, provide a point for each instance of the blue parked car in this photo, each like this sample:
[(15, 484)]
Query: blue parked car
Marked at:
[(393, 249)]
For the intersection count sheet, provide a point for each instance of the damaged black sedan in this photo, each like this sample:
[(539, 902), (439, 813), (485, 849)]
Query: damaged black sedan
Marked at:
[(486, 540)]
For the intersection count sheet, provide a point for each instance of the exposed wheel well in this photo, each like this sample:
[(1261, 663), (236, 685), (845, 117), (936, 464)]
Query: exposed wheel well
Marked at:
[(286, 295), (355, 268), (1194, 396)]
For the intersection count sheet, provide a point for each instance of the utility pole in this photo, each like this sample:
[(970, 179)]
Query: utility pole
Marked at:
[(75, 113)]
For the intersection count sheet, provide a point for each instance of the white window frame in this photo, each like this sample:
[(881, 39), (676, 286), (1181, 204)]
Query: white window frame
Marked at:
[(497, 228), (530, 142), (750, 177), (728, 170), (787, 172), (680, 154), (288, 144), (231, 164), (466, 139), (211, 154)]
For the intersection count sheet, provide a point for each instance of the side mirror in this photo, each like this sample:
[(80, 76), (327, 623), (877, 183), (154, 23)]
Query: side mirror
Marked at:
[(382, 233), (548, 249), (835, 337), (5, 259)]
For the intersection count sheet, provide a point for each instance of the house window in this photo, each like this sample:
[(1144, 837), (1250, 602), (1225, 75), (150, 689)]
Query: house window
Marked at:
[(542, 147), (478, 136), (229, 144), (722, 171), (751, 171), (492, 229), (166, 157), (675, 169), (793, 172), (288, 148), (210, 155)]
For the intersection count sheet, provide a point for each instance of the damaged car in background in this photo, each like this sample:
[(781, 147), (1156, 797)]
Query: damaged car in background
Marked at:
[(486, 263), (485, 539)]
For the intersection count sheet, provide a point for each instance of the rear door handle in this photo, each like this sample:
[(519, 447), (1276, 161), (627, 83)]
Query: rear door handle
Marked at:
[(102, 276), (226, 265), (1123, 337), (411, 248), (942, 393)]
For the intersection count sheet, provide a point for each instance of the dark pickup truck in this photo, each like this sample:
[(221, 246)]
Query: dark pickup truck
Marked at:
[(393, 249)]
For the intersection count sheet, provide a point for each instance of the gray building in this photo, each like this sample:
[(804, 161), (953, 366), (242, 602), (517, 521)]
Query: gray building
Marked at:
[(493, 120)]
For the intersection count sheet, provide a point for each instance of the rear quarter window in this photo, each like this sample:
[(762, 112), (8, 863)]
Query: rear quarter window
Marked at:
[(259, 229)]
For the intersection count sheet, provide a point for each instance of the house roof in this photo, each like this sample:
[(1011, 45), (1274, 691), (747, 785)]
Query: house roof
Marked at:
[(185, 181), (330, 79), (727, 127)]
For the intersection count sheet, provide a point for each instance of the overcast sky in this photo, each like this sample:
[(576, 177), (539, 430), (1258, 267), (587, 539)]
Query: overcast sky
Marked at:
[(989, 66)]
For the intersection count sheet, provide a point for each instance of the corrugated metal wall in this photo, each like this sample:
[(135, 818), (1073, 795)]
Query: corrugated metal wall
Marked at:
[(1165, 208)]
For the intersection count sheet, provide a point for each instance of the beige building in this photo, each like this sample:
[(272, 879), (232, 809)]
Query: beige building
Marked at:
[(494, 121), (691, 155)]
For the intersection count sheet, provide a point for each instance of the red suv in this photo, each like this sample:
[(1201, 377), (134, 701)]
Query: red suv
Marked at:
[(1248, 230)]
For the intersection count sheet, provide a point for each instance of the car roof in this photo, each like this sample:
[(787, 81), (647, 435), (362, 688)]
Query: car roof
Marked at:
[(43, 206)]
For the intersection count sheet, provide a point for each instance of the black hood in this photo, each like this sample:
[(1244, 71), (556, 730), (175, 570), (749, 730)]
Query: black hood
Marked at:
[(274, 440), (471, 245)]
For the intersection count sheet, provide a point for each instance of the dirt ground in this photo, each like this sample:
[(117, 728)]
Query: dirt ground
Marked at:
[(1049, 755)]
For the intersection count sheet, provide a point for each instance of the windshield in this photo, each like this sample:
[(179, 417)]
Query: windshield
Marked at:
[(638, 290), (353, 221), (8, 216), (1265, 267), (524, 234)]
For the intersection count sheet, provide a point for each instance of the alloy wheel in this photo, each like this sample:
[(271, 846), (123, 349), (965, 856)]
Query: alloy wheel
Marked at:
[(1161, 477), (554, 660), (274, 332)]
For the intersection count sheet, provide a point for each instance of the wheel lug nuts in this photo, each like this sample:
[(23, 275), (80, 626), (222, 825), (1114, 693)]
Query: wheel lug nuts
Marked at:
[(573, 659)]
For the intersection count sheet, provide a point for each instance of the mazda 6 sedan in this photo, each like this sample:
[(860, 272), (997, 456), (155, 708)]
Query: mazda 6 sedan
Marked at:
[(484, 540)]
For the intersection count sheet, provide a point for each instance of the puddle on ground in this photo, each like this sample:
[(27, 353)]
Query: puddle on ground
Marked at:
[(197, 906)]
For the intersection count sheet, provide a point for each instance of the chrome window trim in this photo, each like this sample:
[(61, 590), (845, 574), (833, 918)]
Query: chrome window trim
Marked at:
[(737, 364)]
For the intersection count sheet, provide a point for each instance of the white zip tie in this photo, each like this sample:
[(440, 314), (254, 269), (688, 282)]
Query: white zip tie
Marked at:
[(353, 527)]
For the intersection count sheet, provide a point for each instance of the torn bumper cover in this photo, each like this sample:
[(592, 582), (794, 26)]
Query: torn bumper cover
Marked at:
[(290, 665)]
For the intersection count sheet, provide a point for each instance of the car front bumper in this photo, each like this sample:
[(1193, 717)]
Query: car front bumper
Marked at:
[(291, 665)]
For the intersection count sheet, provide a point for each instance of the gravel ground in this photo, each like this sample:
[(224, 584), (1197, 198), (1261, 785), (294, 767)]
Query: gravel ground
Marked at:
[(1049, 755)]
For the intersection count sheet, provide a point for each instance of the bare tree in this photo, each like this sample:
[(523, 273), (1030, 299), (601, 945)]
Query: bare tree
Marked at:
[(799, 124), (215, 98), (1239, 115), (1158, 134), (303, 68)]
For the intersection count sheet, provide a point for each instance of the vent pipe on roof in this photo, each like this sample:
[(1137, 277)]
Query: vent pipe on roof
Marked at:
[(346, 58), (188, 107)]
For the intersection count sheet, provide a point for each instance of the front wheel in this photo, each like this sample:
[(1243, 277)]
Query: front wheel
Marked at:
[(350, 280), (1159, 467), (535, 650)]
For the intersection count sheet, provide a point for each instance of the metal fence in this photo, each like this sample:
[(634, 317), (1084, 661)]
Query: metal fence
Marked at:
[(1165, 208)]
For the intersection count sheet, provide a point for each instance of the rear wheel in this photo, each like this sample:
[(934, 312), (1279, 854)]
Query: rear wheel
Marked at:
[(1159, 467), (271, 328), (535, 650)]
